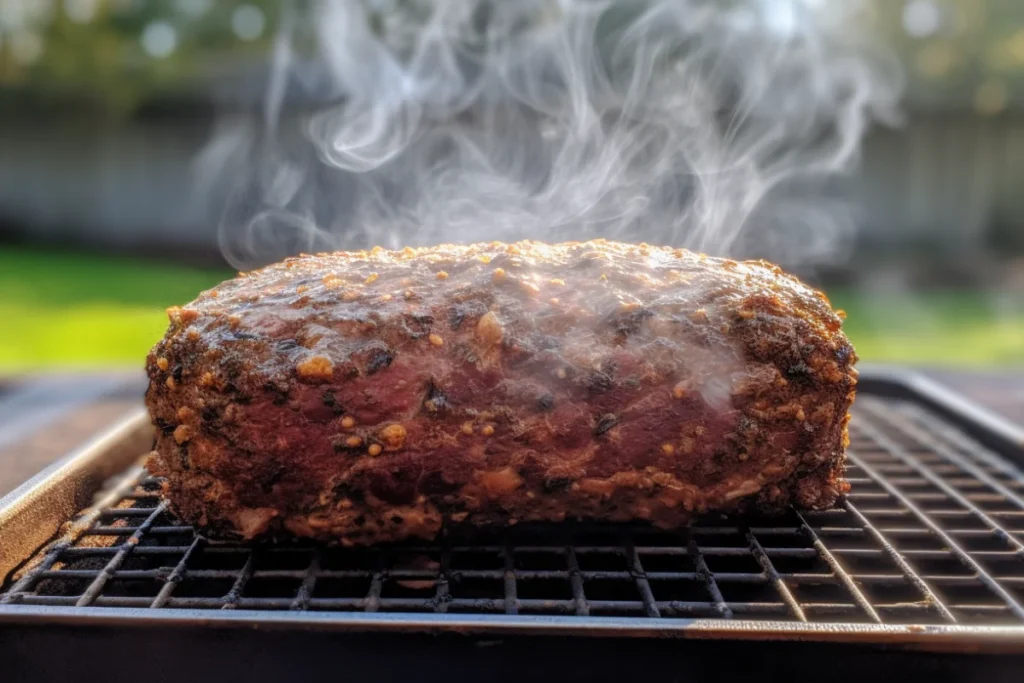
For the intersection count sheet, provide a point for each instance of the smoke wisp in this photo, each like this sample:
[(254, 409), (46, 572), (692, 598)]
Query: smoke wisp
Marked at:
[(717, 125)]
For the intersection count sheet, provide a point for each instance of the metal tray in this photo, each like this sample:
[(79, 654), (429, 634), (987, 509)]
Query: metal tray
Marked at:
[(926, 555)]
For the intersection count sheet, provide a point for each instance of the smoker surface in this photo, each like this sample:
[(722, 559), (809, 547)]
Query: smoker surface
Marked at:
[(927, 548)]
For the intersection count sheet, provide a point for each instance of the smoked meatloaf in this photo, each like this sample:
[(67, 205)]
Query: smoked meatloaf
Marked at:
[(378, 395)]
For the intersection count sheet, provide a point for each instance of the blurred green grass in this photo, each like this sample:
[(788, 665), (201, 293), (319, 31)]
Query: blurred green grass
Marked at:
[(67, 309), (64, 309), (947, 328)]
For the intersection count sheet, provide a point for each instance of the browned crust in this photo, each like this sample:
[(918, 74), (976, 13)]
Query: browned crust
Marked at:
[(374, 396)]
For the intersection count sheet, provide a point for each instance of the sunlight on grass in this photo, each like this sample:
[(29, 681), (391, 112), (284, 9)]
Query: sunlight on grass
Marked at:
[(940, 328), (73, 310), (78, 310), (85, 335)]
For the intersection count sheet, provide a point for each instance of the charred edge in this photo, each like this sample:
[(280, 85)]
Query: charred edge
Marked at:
[(605, 423), (286, 345), (798, 371), (347, 371), (435, 399), (268, 484), (630, 323), (434, 484), (346, 490), (331, 402), (843, 354), (233, 369), (557, 484), (597, 382), (456, 317), (381, 359), (341, 446), (416, 326), (280, 394), (183, 459), (164, 426)]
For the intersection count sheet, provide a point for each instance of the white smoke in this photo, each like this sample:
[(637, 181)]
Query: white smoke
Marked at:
[(715, 125)]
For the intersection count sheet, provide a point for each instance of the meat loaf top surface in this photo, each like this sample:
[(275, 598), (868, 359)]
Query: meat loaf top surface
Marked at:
[(376, 395)]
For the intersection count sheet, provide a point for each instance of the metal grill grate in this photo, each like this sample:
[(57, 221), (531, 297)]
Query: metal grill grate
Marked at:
[(932, 534)]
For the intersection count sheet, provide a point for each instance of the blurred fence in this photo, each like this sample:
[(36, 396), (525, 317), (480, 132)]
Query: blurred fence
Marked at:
[(946, 184), (950, 183), (127, 186)]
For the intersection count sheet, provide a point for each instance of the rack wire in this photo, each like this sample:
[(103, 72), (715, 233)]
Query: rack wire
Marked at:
[(932, 533)]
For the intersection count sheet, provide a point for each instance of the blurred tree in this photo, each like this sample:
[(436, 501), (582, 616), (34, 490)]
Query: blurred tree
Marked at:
[(114, 55), (959, 54)]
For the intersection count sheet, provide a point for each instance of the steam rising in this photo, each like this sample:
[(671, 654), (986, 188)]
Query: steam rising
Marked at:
[(711, 125)]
